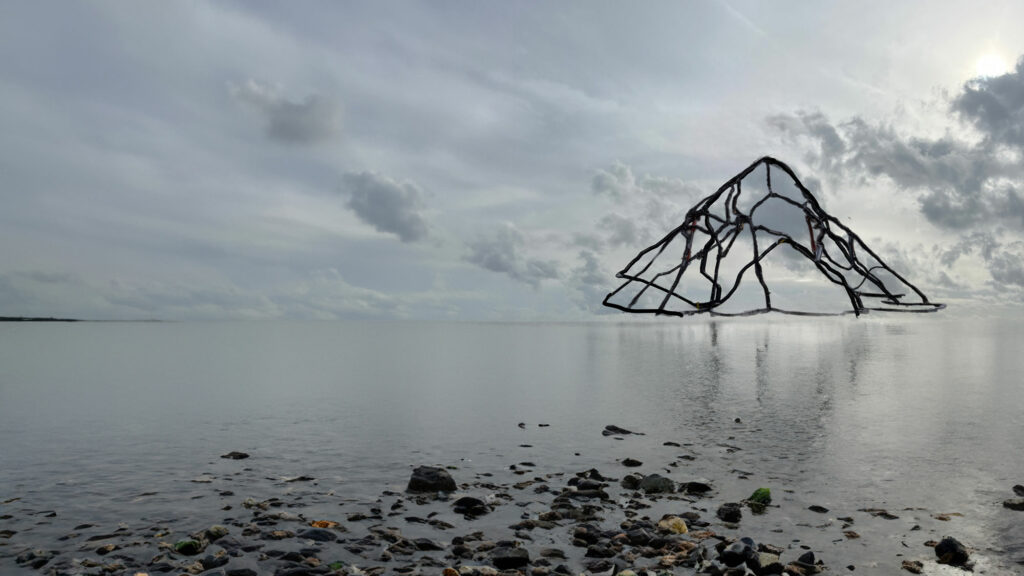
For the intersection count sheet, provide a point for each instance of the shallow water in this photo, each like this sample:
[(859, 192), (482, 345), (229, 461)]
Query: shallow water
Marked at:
[(106, 423)]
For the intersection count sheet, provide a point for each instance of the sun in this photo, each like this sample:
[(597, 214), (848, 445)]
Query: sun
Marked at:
[(991, 64)]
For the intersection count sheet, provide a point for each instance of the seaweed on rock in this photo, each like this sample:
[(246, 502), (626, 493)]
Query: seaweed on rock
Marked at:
[(736, 229)]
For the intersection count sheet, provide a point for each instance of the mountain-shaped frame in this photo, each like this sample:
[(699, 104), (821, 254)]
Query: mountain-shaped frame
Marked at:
[(756, 218)]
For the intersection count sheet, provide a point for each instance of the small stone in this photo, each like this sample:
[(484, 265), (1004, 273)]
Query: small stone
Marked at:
[(818, 509), (632, 463), (449, 572), (951, 551), (673, 524), (695, 487), (730, 512), (761, 496), (216, 532), (317, 534), (1018, 490), (612, 430), (431, 479), (235, 456), (657, 484), (470, 506), (913, 566), (188, 547), (324, 524), (1014, 504), (631, 481), (552, 553), (507, 558)]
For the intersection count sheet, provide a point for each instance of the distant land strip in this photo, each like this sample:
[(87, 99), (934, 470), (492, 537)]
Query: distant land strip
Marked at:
[(33, 319)]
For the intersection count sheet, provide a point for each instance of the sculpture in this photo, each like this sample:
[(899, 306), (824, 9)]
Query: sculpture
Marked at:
[(746, 213)]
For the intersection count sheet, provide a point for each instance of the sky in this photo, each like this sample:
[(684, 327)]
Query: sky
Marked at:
[(482, 160)]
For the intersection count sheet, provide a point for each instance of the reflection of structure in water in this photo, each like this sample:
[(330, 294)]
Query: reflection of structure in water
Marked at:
[(735, 229)]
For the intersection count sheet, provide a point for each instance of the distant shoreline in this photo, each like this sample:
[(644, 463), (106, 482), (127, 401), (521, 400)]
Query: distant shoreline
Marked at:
[(35, 319)]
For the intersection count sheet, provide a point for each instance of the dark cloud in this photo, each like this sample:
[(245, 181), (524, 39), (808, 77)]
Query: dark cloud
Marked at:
[(995, 106), (387, 205), (502, 252), (960, 184), (310, 120)]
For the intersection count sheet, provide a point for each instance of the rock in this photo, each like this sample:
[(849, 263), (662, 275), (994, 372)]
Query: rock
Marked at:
[(632, 463), (951, 551), (426, 545), (508, 558), (188, 547), (599, 551), (211, 561), (631, 481), (673, 524), (317, 534), (818, 509), (235, 456), (761, 496), (1018, 490), (913, 566), (470, 506), (769, 564), (730, 512), (657, 484), (612, 430), (744, 552), (430, 479), (1014, 504), (695, 487), (324, 524)]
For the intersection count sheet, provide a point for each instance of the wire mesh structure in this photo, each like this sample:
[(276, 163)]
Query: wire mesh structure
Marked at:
[(698, 266)]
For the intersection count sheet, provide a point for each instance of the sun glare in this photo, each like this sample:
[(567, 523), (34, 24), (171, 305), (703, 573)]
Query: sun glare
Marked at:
[(991, 64)]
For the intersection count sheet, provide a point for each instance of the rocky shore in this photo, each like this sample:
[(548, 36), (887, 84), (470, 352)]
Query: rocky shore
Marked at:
[(521, 521)]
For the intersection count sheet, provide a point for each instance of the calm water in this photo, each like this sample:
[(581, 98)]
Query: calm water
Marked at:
[(920, 414)]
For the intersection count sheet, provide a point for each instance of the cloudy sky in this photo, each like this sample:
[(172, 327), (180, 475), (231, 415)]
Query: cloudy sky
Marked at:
[(481, 160)]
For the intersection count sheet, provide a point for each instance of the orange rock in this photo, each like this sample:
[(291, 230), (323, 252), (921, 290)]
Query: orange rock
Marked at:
[(323, 524), (450, 572)]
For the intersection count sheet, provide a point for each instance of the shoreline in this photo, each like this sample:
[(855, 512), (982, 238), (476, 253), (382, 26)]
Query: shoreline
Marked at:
[(519, 521)]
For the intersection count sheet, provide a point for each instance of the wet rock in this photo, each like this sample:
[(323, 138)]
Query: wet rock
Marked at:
[(1014, 504), (612, 430), (631, 481), (742, 552), (913, 566), (695, 487), (730, 512), (672, 524), (211, 561), (950, 551), (657, 484), (189, 547), (762, 496), (599, 551), (632, 463), (426, 545), (880, 513), (431, 479), (34, 558), (509, 558), (1018, 490), (818, 509), (235, 455), (317, 534), (471, 507)]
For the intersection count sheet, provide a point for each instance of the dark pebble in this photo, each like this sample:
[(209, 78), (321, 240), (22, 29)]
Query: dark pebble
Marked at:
[(235, 456), (505, 558), (318, 534), (951, 551), (1014, 504), (431, 479), (818, 509), (632, 463), (730, 512)]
